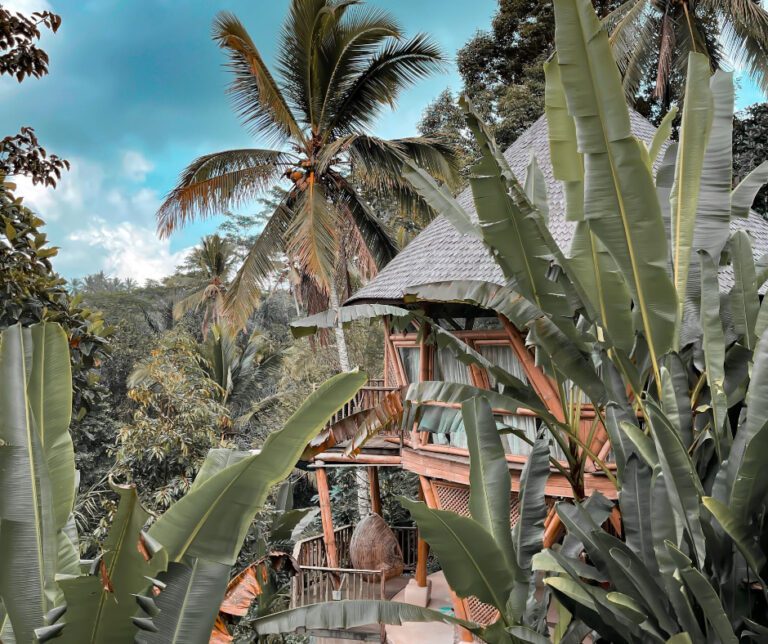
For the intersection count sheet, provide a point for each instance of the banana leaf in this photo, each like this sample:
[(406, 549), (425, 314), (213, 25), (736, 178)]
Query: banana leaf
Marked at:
[(714, 347), (635, 504), (694, 135), (100, 606), (714, 207), (489, 481), (502, 299), (661, 137), (535, 187), (473, 563), (746, 474), (186, 608), (743, 195), (544, 561), (440, 199), (211, 521), (529, 530), (620, 201), (743, 297), (509, 225), (349, 614), (739, 532), (328, 319), (29, 523), (675, 399), (683, 484), (705, 596)]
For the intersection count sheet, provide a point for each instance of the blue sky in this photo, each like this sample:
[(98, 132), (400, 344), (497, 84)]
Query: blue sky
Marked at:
[(137, 90)]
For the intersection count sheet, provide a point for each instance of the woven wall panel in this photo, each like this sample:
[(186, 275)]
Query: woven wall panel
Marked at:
[(455, 498)]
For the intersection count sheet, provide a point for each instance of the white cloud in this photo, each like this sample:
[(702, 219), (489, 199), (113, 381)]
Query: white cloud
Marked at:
[(103, 221), (136, 166), (132, 251), (27, 6)]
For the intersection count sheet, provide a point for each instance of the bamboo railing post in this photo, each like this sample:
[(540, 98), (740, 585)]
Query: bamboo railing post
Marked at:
[(373, 480), (422, 547), (329, 537)]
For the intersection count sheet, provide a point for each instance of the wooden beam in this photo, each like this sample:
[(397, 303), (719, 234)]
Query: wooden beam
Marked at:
[(373, 482), (326, 517)]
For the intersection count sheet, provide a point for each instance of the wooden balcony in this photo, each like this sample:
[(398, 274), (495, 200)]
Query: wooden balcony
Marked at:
[(317, 582)]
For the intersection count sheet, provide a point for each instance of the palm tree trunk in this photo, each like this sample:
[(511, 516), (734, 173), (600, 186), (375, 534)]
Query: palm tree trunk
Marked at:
[(361, 474), (341, 340)]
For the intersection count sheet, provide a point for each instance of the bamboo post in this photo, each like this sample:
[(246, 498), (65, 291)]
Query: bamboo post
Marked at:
[(329, 537), (422, 549), (373, 480)]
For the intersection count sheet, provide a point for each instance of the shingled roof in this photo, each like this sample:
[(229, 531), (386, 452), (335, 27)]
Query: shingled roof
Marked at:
[(440, 253)]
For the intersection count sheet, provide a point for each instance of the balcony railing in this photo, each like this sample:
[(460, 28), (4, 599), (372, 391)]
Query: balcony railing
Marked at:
[(373, 395)]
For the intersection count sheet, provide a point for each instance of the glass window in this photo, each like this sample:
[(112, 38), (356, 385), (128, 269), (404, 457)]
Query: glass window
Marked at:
[(410, 359)]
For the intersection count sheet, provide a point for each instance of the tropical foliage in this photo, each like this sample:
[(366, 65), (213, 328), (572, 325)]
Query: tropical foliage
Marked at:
[(339, 65), (30, 291), (187, 553), (632, 318), (662, 34)]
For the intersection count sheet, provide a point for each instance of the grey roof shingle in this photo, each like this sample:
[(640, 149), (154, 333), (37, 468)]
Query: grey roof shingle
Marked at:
[(440, 253)]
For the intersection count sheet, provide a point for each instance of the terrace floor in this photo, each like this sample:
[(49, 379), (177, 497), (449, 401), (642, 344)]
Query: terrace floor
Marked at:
[(426, 632), (411, 632)]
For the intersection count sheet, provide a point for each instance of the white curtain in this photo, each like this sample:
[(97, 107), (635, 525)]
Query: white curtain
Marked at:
[(410, 359), (504, 357)]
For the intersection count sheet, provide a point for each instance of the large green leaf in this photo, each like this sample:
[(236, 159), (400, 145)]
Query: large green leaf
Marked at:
[(747, 474), (743, 195), (29, 524), (185, 611), (661, 137), (739, 532), (714, 208), (743, 296), (471, 559), (535, 187), (509, 225), (211, 521), (635, 504), (683, 484), (532, 507), (100, 606), (694, 135), (705, 596), (349, 614), (490, 484), (50, 401), (328, 319), (439, 197), (620, 201), (714, 346)]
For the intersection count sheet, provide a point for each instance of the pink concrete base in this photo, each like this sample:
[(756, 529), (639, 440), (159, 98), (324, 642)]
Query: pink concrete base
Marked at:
[(417, 595), (426, 632)]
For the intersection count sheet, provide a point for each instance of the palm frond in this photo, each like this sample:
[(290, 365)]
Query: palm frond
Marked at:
[(666, 55), (376, 239), (348, 48), (245, 290), (398, 65), (190, 303), (215, 182), (311, 239), (745, 32), (435, 155), (297, 61), (257, 97)]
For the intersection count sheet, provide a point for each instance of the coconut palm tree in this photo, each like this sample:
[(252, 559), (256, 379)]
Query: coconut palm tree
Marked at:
[(339, 65), (663, 32), (210, 264)]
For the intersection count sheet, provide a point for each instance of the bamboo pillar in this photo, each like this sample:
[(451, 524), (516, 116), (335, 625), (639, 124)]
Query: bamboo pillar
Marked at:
[(329, 536), (373, 481), (422, 548)]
